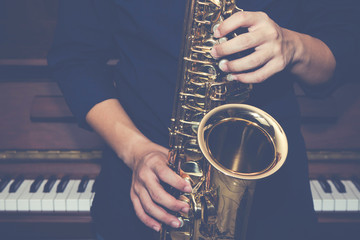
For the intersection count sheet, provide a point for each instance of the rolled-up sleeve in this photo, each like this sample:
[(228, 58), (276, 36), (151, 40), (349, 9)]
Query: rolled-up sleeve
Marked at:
[(335, 22), (82, 46)]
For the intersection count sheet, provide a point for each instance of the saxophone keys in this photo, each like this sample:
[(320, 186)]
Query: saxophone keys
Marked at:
[(192, 169), (183, 232), (208, 210)]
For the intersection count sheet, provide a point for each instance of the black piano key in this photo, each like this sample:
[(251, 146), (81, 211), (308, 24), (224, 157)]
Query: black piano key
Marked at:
[(36, 184), (93, 187), (356, 181), (83, 184), (49, 184), (4, 182), (16, 184), (338, 185), (62, 184), (324, 185)]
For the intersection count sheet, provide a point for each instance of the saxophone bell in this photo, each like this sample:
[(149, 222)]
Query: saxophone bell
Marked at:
[(242, 141)]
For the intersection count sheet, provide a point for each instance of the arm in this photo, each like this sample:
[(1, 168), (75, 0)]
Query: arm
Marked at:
[(147, 160), (82, 45), (322, 54)]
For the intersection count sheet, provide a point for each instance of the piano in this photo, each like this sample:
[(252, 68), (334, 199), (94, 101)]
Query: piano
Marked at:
[(335, 185), (40, 140), (65, 188), (47, 199), (38, 191)]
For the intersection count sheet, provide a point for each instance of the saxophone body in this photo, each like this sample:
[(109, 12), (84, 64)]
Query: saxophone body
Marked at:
[(217, 143)]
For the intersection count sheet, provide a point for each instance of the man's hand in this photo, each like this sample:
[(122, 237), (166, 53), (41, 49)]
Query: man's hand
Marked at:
[(275, 48), (149, 198), (147, 160), (272, 50)]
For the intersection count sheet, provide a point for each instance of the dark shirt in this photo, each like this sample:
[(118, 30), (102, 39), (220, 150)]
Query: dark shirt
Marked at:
[(145, 35)]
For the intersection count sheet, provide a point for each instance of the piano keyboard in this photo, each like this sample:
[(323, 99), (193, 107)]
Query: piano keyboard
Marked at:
[(46, 195), (335, 195), (76, 195)]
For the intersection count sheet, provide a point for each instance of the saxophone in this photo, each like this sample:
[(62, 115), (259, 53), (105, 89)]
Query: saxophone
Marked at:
[(217, 143)]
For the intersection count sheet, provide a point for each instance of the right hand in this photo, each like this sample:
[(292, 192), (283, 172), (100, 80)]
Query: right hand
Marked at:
[(147, 160), (150, 168)]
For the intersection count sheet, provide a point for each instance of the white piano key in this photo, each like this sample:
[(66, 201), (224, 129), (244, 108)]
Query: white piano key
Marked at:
[(92, 199), (23, 201), (354, 190), (340, 201), (60, 198), (47, 202), (328, 203), (316, 198), (4, 194), (353, 203), (72, 201), (86, 198), (11, 199), (35, 199)]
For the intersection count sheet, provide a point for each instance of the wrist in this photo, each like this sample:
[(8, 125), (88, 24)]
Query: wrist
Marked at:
[(312, 62), (139, 149), (299, 58), (130, 149)]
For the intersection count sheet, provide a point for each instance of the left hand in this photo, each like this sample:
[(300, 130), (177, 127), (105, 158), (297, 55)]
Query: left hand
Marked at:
[(273, 50)]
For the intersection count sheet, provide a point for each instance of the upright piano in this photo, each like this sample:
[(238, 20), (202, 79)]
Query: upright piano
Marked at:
[(48, 166)]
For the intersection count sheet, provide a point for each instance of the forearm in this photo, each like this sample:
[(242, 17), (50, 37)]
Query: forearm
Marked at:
[(147, 160), (111, 122), (313, 62)]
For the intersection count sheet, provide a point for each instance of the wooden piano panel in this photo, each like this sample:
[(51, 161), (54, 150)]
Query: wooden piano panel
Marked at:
[(332, 123), (331, 131), (19, 131)]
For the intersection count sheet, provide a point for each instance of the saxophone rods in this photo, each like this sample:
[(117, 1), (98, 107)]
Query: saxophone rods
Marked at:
[(217, 143)]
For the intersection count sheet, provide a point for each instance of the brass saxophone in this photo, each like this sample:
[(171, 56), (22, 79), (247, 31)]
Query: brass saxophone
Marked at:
[(217, 143)]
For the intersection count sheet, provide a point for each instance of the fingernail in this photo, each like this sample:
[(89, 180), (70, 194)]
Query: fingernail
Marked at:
[(175, 224), (185, 209), (230, 77), (215, 27), (214, 53), (222, 40), (156, 228), (187, 189), (217, 33), (223, 65)]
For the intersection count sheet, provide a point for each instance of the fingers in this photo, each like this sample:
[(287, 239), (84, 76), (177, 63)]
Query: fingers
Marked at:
[(258, 75), (261, 31), (170, 177), (163, 198), (149, 197), (272, 51), (147, 211), (157, 162), (252, 61), (239, 20), (140, 213), (239, 43)]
